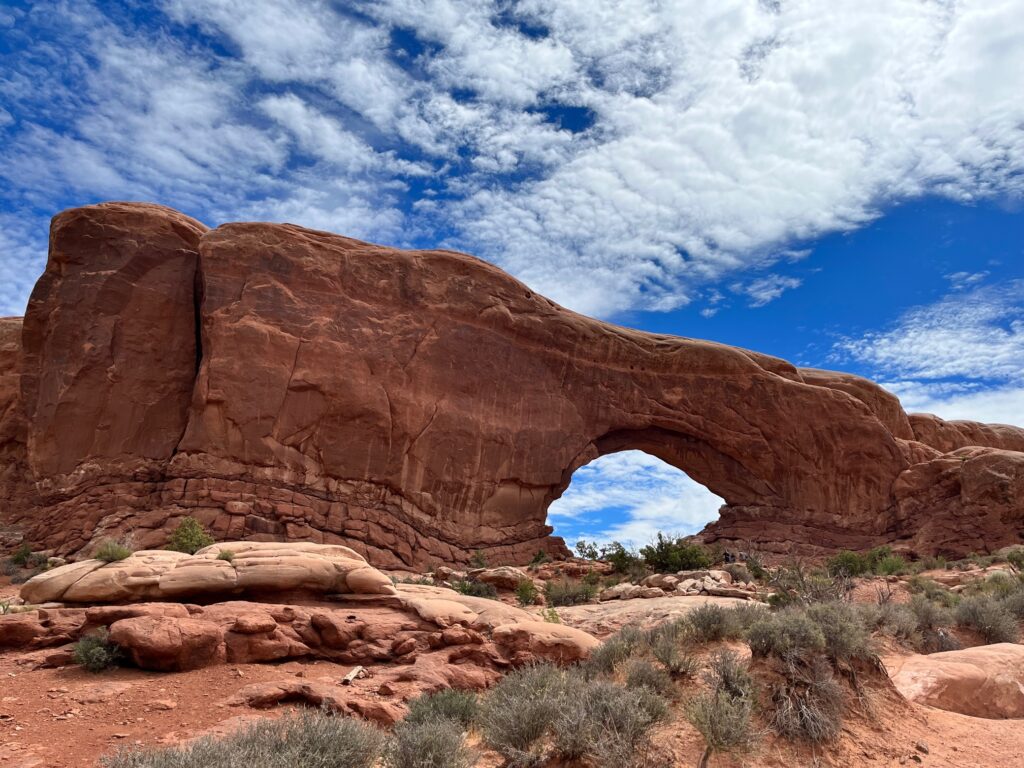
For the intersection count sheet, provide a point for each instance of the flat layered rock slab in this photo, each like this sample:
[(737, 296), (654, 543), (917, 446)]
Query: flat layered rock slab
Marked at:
[(601, 619)]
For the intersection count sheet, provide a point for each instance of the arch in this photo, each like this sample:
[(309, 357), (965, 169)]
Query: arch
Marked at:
[(720, 473)]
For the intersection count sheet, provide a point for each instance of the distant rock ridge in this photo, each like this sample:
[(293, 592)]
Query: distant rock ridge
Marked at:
[(280, 383)]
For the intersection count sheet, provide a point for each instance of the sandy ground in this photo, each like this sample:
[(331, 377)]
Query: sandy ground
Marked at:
[(68, 718)]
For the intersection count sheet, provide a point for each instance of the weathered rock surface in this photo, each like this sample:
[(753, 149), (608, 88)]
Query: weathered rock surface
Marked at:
[(254, 567), (281, 383), (987, 681)]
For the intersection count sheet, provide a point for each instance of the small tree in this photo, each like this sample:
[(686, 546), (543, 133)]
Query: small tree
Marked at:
[(189, 537)]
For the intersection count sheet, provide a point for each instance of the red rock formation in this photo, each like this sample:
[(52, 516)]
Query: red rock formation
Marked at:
[(419, 405)]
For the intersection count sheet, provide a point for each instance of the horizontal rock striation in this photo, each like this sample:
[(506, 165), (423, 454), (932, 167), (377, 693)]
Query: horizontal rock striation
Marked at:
[(281, 383)]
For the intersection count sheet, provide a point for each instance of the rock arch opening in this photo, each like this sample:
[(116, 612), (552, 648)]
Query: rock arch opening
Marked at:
[(628, 496)]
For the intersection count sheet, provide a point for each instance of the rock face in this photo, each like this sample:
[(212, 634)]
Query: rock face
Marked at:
[(281, 383)]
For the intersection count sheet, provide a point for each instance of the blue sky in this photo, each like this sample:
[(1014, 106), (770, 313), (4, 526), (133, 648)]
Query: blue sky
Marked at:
[(837, 183)]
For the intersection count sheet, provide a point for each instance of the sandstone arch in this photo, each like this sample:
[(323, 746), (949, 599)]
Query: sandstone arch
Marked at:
[(279, 382)]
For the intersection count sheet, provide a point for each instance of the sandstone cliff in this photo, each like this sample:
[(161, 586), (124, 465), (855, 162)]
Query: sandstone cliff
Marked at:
[(278, 382)]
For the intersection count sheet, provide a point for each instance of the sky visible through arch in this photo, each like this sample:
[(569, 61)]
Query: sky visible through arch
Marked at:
[(836, 183)]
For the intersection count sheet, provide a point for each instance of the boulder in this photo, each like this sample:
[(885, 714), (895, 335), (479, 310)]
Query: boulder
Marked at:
[(503, 577), (544, 641), (986, 681), (166, 644), (623, 591)]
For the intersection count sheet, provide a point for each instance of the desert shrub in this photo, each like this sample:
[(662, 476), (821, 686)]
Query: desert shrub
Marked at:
[(756, 567), (540, 558), (847, 563), (8, 567), (622, 560), (1014, 602), (449, 704), (890, 565), (526, 593), (20, 576), (799, 585), (226, 554), (931, 563), (605, 723), (808, 704), (932, 590), (640, 673), (667, 643), (189, 537), (893, 619), (21, 556), (96, 652), (604, 658), (111, 552), (844, 629), (932, 622), (988, 617), (709, 623), (478, 560), (566, 592), (311, 739), (738, 571), (516, 713), (727, 672), (551, 616), (743, 615), (433, 744), (722, 714), (668, 555), (587, 550), (1000, 585), (475, 588), (785, 634), (1016, 558)]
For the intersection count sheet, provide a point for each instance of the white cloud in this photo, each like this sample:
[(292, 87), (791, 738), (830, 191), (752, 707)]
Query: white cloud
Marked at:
[(767, 289), (629, 497), (1001, 405), (976, 335), (721, 131)]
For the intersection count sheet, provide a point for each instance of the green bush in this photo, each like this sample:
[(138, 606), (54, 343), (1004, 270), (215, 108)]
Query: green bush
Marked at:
[(189, 537), (566, 592), (22, 555), (846, 635), (517, 713), (526, 593), (666, 555), (434, 744), (111, 552), (847, 563), (786, 634), (540, 558), (311, 739), (988, 617), (475, 588), (449, 704), (896, 620), (478, 560), (1015, 557), (933, 591), (96, 652), (809, 704), (891, 565), (226, 554), (726, 672), (622, 560)]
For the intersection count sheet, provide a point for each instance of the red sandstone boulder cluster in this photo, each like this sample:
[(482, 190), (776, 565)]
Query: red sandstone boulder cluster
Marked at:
[(279, 383)]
